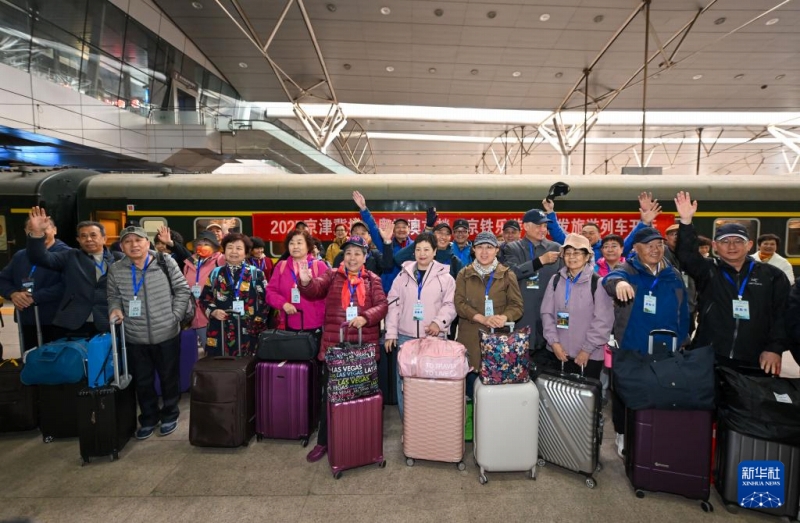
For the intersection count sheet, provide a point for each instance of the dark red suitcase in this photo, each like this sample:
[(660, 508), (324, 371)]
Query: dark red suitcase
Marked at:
[(355, 434), (287, 399), (670, 451)]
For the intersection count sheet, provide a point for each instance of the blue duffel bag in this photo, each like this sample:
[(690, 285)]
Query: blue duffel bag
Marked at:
[(100, 361), (56, 363)]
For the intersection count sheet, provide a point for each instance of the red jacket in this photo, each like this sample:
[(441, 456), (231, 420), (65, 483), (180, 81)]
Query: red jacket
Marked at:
[(329, 286)]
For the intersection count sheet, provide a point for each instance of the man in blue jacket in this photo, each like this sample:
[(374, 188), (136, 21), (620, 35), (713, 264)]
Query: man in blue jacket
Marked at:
[(650, 295), (27, 285)]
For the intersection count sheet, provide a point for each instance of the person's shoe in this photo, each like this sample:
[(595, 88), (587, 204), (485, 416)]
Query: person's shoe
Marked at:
[(168, 428), (317, 453), (621, 445), (145, 432)]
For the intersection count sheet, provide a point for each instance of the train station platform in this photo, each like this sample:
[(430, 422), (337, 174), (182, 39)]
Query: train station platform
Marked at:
[(168, 480)]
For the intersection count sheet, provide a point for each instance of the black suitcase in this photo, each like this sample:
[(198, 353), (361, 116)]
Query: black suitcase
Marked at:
[(223, 400), (107, 415), (58, 410), (19, 404), (387, 375)]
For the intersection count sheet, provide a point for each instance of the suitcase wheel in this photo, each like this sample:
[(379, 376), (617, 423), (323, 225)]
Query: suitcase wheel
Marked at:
[(114, 456), (591, 483), (382, 464), (639, 494), (706, 506), (541, 463), (461, 465), (304, 442), (531, 474), (47, 439), (482, 479), (732, 508), (410, 462), (337, 475)]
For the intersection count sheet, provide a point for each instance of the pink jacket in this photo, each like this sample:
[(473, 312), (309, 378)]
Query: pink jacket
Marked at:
[(279, 292), (190, 271), (438, 291)]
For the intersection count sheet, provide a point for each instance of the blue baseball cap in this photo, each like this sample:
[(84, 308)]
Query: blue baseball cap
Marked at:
[(535, 216)]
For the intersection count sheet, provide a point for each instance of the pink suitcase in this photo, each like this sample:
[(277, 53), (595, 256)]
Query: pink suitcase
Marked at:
[(287, 399), (355, 434), (433, 420)]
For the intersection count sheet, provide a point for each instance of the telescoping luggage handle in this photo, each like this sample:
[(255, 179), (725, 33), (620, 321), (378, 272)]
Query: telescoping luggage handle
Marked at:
[(509, 324), (120, 381), (661, 332), (38, 328), (302, 320), (343, 327), (238, 333)]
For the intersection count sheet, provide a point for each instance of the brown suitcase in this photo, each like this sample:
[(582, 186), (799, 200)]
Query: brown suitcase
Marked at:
[(433, 420)]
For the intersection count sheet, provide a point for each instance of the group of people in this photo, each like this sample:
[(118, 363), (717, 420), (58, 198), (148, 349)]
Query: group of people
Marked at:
[(573, 292)]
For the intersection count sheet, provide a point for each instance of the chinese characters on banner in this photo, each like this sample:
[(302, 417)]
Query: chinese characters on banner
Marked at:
[(274, 226)]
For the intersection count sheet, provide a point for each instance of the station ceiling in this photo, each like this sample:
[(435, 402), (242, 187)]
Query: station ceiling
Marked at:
[(738, 55)]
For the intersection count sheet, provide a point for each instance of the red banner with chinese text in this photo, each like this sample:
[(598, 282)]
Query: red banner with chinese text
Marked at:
[(273, 226)]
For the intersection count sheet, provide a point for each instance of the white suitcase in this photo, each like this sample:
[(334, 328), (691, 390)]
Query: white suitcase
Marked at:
[(506, 421)]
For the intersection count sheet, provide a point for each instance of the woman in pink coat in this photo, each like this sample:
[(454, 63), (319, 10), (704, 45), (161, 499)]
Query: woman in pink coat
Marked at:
[(295, 312), (197, 270), (420, 301)]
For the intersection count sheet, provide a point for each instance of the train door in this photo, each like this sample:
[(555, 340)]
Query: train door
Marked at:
[(113, 222), (4, 239)]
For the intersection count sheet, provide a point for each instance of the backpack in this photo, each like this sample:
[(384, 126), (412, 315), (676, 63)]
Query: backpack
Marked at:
[(595, 277), (188, 315)]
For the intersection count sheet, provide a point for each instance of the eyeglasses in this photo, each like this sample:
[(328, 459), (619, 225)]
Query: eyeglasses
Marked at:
[(574, 254), (736, 242)]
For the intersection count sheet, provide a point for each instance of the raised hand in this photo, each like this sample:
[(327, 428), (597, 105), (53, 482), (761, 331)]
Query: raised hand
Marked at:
[(430, 217), (38, 221), (649, 215), (685, 207), (165, 236), (228, 224), (359, 200), (646, 201), (386, 233), (304, 273), (548, 205)]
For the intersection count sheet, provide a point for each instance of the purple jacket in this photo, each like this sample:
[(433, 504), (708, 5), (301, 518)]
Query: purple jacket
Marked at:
[(279, 292), (438, 291), (590, 322)]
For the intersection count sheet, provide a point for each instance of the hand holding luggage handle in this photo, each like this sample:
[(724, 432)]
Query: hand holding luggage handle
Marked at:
[(509, 324), (120, 381), (343, 327)]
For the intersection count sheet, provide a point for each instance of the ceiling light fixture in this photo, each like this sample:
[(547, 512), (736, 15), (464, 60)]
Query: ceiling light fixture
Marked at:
[(780, 77), (655, 76), (720, 20), (559, 74), (438, 12), (347, 67), (474, 72), (516, 74), (772, 21), (491, 14), (385, 11), (544, 18), (331, 7), (389, 68), (764, 86), (599, 18), (197, 5), (243, 65), (738, 77), (432, 70), (697, 77)]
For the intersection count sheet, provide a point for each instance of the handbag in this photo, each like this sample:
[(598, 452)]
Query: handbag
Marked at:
[(504, 357), (433, 357), (284, 345), (760, 406), (665, 379), (56, 363), (352, 369)]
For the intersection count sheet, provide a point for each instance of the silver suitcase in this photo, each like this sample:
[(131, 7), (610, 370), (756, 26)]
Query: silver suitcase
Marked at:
[(506, 428), (570, 422)]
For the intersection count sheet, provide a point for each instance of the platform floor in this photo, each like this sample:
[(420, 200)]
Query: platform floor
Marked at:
[(168, 480)]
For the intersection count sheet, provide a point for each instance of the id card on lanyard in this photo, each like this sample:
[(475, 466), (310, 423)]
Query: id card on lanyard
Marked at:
[(134, 305), (488, 305), (650, 300), (27, 283), (295, 297), (532, 283), (419, 311), (741, 308), (238, 303), (196, 288), (562, 317), (351, 312)]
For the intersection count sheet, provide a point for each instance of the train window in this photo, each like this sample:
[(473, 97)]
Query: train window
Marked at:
[(203, 223), (753, 226), (792, 247), (3, 234), (151, 225)]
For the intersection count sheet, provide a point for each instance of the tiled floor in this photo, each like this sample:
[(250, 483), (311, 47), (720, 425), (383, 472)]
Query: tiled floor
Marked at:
[(166, 479)]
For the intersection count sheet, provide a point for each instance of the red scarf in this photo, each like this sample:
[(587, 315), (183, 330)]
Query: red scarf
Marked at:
[(358, 282)]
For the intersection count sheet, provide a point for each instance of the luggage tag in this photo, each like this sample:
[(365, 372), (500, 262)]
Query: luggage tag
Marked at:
[(488, 307), (562, 320), (295, 295), (196, 290), (351, 313), (134, 308), (532, 282), (238, 306), (418, 311), (27, 285), (741, 309), (650, 304)]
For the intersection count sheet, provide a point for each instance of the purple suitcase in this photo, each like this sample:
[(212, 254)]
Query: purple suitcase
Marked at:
[(287, 399), (670, 451), (187, 361), (355, 434)]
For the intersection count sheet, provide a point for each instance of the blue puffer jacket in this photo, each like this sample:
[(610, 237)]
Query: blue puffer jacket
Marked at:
[(632, 326)]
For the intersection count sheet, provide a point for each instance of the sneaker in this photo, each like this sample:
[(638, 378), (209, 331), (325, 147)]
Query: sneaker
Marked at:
[(168, 428), (621, 445), (145, 432), (317, 453)]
